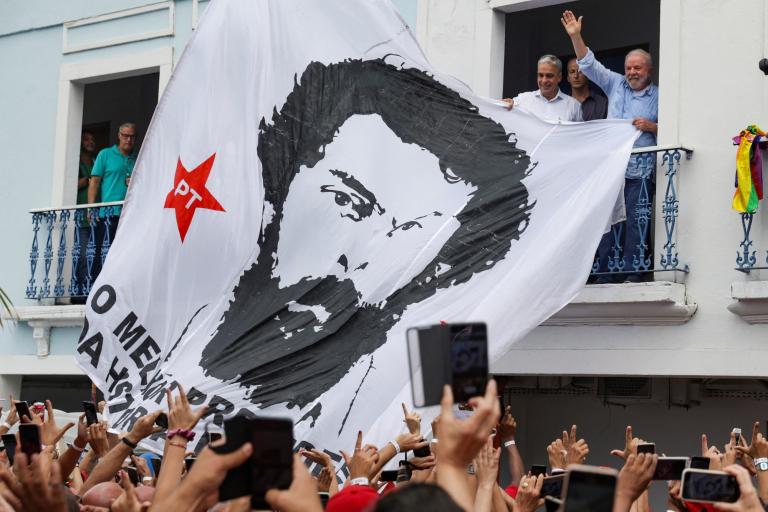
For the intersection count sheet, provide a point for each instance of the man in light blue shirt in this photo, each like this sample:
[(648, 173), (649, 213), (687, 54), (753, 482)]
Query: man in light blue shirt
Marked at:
[(631, 96)]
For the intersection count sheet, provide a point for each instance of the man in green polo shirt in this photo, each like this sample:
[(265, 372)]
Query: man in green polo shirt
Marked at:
[(109, 179)]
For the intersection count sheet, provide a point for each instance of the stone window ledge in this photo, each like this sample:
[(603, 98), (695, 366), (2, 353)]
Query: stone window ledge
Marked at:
[(750, 301), (42, 318), (654, 303)]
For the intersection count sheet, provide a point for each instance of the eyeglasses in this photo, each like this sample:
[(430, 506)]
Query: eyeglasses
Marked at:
[(126, 136)]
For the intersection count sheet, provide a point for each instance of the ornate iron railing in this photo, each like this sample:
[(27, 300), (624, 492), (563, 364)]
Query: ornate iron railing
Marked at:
[(75, 241), (746, 255), (639, 261)]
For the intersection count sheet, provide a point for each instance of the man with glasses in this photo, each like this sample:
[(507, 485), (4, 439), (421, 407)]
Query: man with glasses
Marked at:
[(109, 180)]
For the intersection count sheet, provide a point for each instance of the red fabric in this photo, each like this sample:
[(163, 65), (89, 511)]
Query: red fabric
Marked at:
[(353, 498), (699, 507), (511, 490)]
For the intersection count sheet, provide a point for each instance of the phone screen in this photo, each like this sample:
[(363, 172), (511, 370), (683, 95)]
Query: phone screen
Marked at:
[(162, 420), (22, 409), (646, 448), (189, 461), (9, 440), (133, 475), (670, 468), (89, 408), (553, 486), (29, 436), (272, 458), (389, 475), (538, 469), (469, 360), (589, 492), (156, 463), (237, 483), (699, 463), (709, 486)]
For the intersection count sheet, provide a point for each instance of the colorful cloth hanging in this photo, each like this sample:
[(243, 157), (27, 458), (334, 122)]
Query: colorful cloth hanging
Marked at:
[(749, 170)]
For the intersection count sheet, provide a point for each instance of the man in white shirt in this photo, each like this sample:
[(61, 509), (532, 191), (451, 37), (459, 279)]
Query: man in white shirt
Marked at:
[(548, 102)]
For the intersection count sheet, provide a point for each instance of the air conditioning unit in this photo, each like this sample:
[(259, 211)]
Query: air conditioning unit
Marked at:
[(625, 388)]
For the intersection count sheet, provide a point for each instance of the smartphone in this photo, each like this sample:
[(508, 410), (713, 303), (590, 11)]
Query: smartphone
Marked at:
[(455, 354), (156, 463), (422, 452), (389, 475), (324, 497), (9, 440), (272, 458), (22, 409), (646, 448), (162, 420), (91, 417), (538, 469), (670, 468), (706, 486), (404, 471), (553, 486), (133, 475), (699, 463), (552, 504), (589, 489), (270, 465), (29, 437), (737, 431), (188, 462)]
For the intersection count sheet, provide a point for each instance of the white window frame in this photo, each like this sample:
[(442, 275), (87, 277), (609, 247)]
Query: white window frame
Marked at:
[(69, 117), (168, 5)]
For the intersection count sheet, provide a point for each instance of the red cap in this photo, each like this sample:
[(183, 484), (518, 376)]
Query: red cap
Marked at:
[(353, 498)]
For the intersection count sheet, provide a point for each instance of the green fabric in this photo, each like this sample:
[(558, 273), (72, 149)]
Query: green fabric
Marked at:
[(113, 167), (82, 193)]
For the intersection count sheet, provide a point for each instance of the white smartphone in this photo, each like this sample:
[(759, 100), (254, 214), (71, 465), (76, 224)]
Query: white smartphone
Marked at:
[(706, 486)]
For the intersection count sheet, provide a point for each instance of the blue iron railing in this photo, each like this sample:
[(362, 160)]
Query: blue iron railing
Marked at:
[(75, 241), (617, 263), (746, 255)]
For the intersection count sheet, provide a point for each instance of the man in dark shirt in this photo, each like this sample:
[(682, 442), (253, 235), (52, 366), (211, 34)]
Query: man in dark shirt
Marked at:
[(593, 106)]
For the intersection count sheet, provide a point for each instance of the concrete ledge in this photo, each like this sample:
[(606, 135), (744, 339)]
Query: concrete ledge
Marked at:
[(750, 301), (656, 303), (42, 318)]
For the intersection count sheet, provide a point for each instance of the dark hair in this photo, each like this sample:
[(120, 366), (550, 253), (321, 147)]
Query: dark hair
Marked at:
[(419, 110), (421, 497)]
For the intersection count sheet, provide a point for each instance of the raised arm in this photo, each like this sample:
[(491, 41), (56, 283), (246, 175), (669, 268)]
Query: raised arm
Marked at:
[(572, 26), (606, 79)]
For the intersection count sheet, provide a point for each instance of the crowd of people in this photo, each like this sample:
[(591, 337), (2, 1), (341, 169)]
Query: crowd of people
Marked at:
[(457, 467)]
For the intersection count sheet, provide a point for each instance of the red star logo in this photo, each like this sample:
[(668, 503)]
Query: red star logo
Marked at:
[(189, 193)]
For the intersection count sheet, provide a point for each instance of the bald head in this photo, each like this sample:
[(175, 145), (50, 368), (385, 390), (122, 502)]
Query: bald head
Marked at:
[(102, 495)]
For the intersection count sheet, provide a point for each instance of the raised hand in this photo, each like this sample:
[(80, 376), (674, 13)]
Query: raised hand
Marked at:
[(363, 459), (571, 24), (557, 455), (410, 441), (141, 467), (317, 456), (33, 490), (412, 420), (487, 464), (630, 445), (180, 414), (634, 479), (529, 494), (13, 416), (324, 480), (748, 500), (301, 496), (711, 452), (144, 427), (50, 433), (507, 427), (97, 437), (730, 453), (577, 452), (128, 501), (758, 447)]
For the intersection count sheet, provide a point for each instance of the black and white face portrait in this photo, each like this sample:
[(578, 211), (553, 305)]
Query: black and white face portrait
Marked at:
[(374, 211), (381, 187)]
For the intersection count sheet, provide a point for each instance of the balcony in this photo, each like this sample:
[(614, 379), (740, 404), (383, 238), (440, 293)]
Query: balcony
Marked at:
[(627, 290), (750, 296)]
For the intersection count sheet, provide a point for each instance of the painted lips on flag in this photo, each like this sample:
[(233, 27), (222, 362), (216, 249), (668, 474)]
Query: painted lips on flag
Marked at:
[(297, 206)]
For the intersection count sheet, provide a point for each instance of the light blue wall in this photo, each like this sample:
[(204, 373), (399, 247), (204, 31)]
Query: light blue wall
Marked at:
[(31, 58)]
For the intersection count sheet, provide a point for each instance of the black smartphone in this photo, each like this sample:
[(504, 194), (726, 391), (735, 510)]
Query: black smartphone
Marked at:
[(670, 468), (422, 452), (706, 486), (188, 462), (737, 431), (699, 463), (237, 432), (646, 448), (156, 463), (9, 440), (22, 409), (29, 438), (538, 469), (272, 458), (553, 486), (91, 417), (469, 360), (324, 497), (389, 475), (133, 475), (552, 504), (162, 420), (589, 489), (404, 471)]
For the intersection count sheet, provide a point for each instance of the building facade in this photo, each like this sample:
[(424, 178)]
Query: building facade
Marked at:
[(681, 353)]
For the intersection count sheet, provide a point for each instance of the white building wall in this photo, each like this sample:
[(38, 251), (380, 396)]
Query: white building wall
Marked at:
[(711, 88)]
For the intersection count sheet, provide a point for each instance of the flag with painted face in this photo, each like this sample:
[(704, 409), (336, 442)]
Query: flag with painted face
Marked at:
[(309, 188)]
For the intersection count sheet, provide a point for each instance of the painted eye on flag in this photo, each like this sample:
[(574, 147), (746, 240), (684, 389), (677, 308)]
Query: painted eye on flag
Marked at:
[(356, 207)]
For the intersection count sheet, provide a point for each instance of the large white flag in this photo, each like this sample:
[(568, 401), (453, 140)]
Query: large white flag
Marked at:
[(309, 188)]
